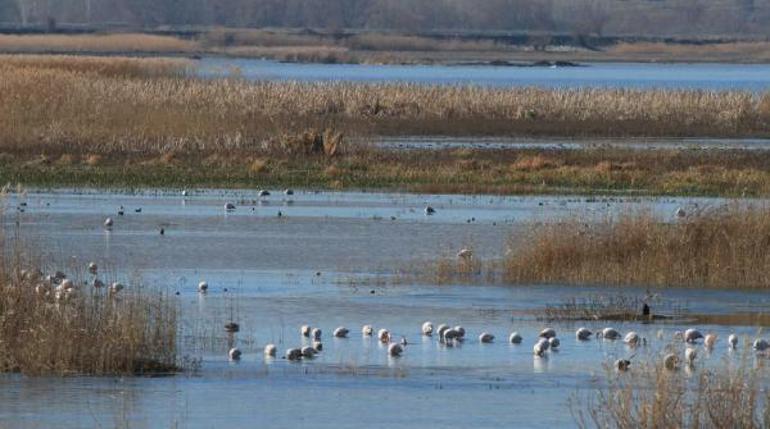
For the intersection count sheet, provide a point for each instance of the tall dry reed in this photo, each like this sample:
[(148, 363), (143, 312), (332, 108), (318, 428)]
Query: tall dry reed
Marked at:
[(729, 395), (94, 43), (83, 331), (84, 102), (724, 247)]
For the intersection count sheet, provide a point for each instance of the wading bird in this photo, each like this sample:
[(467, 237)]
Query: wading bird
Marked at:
[(515, 338), (367, 330), (341, 332)]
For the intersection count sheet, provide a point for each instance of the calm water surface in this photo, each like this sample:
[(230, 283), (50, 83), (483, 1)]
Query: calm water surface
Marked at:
[(282, 272), (752, 77)]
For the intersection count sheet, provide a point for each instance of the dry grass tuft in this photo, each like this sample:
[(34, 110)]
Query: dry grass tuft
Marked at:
[(716, 248), (534, 163), (651, 396), (258, 166)]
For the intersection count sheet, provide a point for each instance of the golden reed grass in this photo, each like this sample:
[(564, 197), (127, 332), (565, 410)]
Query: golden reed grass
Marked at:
[(86, 331), (724, 247), (95, 43), (731, 394), (76, 103)]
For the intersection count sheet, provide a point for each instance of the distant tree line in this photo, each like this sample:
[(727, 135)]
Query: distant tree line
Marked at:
[(597, 17)]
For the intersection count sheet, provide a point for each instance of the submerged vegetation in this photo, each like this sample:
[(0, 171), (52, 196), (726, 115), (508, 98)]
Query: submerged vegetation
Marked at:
[(133, 122), (725, 248)]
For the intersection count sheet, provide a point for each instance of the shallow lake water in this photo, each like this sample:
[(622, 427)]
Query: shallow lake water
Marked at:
[(437, 142), (753, 77), (310, 266)]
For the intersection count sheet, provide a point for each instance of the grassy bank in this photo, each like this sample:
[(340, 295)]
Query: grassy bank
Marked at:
[(509, 172), (723, 248)]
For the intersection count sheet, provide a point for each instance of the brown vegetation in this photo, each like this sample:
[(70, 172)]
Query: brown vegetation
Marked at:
[(713, 248), (95, 43), (84, 330), (651, 396), (126, 121)]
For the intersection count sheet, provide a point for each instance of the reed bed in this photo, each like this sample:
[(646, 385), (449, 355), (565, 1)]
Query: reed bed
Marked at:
[(95, 43), (127, 121), (732, 394), (723, 248), (112, 67), (84, 330), (69, 105)]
